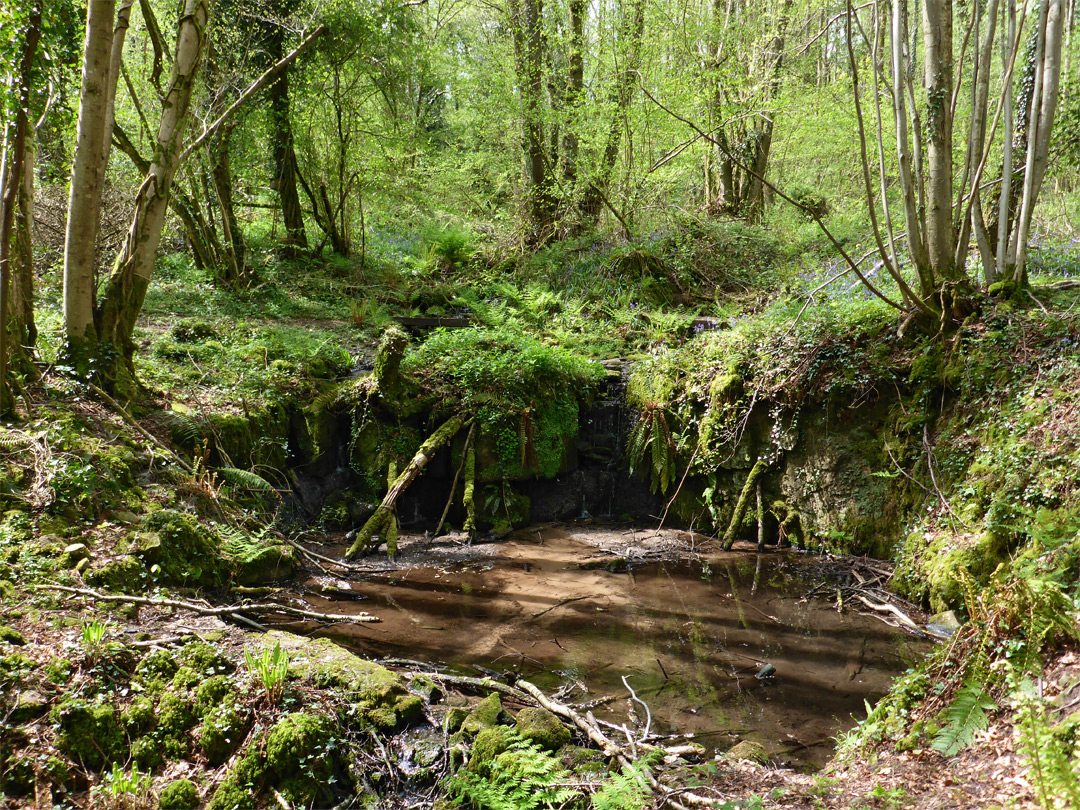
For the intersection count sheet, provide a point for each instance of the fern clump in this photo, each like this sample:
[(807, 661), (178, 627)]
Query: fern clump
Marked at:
[(522, 777)]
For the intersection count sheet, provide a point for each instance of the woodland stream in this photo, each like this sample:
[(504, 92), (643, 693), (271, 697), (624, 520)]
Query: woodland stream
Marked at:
[(690, 631)]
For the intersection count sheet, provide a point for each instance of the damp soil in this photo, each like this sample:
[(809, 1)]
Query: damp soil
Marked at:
[(691, 628)]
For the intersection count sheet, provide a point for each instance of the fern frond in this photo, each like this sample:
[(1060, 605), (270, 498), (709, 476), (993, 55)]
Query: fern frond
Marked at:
[(11, 439), (965, 718), (185, 429), (245, 479)]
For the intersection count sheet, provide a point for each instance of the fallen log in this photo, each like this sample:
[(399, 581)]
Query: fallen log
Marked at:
[(741, 504), (377, 523), (202, 610)]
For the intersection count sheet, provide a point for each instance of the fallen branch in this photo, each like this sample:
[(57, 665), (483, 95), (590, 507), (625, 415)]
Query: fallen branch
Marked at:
[(360, 569), (377, 522), (228, 610), (559, 604), (887, 608), (744, 501)]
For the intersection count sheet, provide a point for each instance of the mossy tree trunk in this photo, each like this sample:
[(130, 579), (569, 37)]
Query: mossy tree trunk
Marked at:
[(384, 514), (743, 502)]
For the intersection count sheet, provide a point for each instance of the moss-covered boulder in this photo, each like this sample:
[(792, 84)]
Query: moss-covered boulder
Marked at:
[(206, 659), (179, 795), (377, 694), (487, 713), (188, 551), (9, 635), (258, 562), (125, 573), (543, 728), (298, 758), (749, 751), (89, 733), (489, 743), (223, 730)]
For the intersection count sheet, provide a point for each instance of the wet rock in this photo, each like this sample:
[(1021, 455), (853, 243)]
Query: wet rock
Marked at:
[(489, 743), (487, 713), (749, 751), (543, 728), (943, 625), (454, 718), (421, 753)]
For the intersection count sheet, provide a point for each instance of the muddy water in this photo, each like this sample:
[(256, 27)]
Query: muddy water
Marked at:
[(690, 637)]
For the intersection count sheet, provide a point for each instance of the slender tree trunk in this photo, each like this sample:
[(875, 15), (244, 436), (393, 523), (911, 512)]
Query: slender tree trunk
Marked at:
[(755, 198), (284, 154), (938, 78), (21, 317), (221, 173), (631, 30), (134, 267), (11, 181), (87, 180), (1043, 106), (575, 83), (528, 31)]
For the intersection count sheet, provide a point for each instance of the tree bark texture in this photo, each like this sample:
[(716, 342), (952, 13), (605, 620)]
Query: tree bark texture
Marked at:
[(126, 288), (87, 179), (284, 153)]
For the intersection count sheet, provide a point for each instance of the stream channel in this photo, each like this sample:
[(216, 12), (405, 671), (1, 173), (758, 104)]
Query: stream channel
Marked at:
[(690, 627)]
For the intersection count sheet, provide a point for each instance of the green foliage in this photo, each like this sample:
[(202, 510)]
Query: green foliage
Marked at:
[(93, 640), (522, 777), (965, 717), (271, 667), (125, 790), (626, 790), (651, 448), (245, 479), (1050, 750)]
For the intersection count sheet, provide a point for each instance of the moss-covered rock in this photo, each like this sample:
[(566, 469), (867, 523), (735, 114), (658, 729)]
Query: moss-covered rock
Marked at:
[(210, 694), (377, 694), (489, 743), (222, 731), (176, 718), (179, 795), (189, 553), (125, 573), (543, 728), (89, 733), (139, 717), (487, 713), (156, 670), (9, 635), (257, 563), (748, 750), (206, 659)]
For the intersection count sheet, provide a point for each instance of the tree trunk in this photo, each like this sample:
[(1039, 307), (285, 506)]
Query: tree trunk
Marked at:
[(11, 182), (755, 198), (22, 330), (630, 34), (938, 78), (575, 83), (284, 154), (221, 173), (87, 180), (528, 33), (126, 288), (385, 512)]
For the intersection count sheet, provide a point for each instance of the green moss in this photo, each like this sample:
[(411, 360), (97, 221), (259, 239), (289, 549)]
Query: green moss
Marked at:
[(139, 717), (186, 679), (189, 554), (222, 731), (125, 574), (59, 671), (179, 795), (146, 753), (156, 670), (376, 693), (175, 720), (489, 743), (205, 659), (949, 560), (89, 733), (256, 562), (543, 728), (211, 693), (9, 635), (487, 713), (748, 750)]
